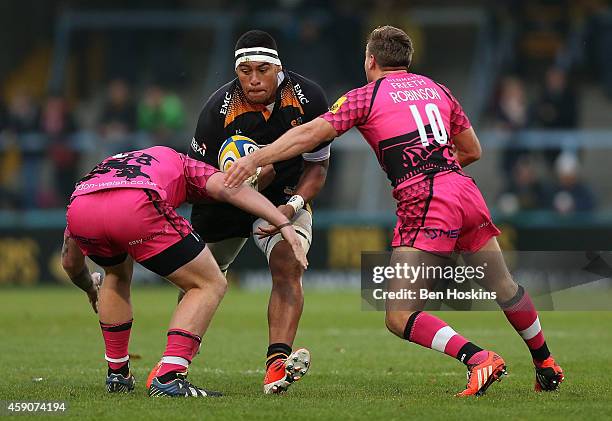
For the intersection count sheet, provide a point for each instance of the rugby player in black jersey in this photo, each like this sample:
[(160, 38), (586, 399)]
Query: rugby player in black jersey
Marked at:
[(263, 102)]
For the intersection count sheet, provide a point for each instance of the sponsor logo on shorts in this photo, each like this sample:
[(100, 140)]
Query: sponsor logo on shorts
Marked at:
[(149, 237), (435, 233), (334, 108)]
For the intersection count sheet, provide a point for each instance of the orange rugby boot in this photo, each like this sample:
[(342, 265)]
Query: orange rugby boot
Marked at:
[(549, 375), (283, 373), (481, 376)]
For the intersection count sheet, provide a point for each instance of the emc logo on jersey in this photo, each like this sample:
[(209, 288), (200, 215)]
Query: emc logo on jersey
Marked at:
[(300, 95)]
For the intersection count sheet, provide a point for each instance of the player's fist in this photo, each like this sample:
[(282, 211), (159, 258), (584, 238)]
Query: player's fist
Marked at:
[(92, 294)]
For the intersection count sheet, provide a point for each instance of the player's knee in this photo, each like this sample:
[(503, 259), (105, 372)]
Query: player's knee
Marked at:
[(391, 323), (287, 272), (396, 321), (505, 289), (284, 267), (218, 283), (213, 283)]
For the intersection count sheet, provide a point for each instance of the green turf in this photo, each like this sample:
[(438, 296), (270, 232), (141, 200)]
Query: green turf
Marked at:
[(358, 370)]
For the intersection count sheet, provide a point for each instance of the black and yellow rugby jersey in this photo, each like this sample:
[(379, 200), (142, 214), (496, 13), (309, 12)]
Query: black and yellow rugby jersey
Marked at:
[(228, 112)]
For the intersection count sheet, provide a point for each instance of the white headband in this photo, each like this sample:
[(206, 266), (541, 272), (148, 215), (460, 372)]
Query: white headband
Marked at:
[(266, 55)]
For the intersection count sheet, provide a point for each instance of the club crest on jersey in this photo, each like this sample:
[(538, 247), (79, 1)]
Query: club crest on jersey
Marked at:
[(415, 154), (334, 108)]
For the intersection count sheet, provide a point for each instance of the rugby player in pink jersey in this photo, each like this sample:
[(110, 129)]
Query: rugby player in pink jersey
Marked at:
[(125, 210), (422, 140)]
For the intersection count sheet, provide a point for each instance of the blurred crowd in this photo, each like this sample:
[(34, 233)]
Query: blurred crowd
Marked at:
[(43, 150), (46, 141), (558, 49), (545, 177)]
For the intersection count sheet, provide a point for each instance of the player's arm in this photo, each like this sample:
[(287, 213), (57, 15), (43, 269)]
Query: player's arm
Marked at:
[(73, 262), (467, 147), (348, 111), (316, 161), (465, 142), (295, 142), (312, 179), (255, 203)]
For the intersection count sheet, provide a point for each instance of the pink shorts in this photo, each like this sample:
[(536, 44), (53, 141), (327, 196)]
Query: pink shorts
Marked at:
[(110, 224), (442, 215)]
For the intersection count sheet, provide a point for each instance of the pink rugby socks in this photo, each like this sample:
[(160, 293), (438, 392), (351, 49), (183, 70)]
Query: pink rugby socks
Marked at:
[(116, 340), (523, 316), (429, 331), (181, 347)]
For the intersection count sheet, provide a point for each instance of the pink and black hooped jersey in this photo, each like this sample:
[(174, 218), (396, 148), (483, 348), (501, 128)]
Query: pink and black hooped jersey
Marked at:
[(174, 176), (408, 120)]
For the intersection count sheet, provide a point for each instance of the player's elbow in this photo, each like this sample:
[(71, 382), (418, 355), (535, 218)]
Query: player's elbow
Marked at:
[(468, 155), (215, 188), (475, 153), (468, 146)]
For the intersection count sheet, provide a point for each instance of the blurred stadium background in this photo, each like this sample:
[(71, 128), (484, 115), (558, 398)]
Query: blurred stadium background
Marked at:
[(80, 80)]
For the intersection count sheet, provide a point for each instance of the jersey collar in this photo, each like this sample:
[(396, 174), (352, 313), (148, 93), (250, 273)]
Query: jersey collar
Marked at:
[(280, 78)]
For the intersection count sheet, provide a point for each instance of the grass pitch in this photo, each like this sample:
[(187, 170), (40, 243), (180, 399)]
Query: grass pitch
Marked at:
[(359, 371)]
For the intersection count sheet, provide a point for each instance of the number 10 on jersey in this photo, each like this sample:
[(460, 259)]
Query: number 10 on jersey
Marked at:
[(435, 122)]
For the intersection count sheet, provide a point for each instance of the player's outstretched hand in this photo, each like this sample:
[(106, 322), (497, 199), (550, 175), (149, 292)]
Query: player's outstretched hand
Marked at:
[(92, 294), (291, 236), (240, 170)]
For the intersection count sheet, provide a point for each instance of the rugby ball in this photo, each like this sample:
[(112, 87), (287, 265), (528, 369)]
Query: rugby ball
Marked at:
[(233, 148)]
